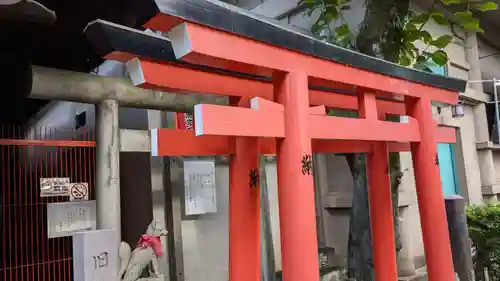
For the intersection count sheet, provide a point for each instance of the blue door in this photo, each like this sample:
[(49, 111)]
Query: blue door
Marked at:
[(446, 157), (446, 152)]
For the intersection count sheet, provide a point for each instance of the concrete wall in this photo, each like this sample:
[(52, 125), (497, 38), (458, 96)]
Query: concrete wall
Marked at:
[(471, 169), (496, 160), (490, 68), (205, 239), (335, 186), (490, 62)]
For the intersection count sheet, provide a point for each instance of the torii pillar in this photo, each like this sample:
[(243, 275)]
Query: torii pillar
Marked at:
[(244, 207), (429, 194), (299, 244), (380, 197)]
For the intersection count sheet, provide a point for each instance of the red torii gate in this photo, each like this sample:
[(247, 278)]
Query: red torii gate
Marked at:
[(269, 120), (276, 118)]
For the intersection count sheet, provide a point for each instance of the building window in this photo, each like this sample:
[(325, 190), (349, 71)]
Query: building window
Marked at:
[(80, 120), (492, 124)]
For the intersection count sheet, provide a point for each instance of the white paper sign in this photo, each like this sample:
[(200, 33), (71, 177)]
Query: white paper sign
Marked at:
[(95, 255), (199, 183), (54, 187), (79, 191), (64, 219)]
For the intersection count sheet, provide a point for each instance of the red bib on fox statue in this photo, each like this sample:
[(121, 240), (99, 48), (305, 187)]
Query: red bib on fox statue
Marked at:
[(151, 241)]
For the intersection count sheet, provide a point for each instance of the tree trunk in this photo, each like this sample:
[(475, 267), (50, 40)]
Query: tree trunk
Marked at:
[(360, 264), (381, 17)]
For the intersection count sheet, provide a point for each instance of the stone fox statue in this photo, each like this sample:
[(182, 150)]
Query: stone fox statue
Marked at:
[(145, 255)]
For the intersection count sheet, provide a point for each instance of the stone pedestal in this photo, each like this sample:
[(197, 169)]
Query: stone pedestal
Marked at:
[(406, 266), (95, 257), (459, 237)]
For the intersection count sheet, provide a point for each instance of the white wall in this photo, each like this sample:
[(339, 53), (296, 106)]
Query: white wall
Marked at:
[(206, 238)]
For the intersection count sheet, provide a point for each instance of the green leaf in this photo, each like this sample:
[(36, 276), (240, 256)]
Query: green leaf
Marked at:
[(442, 41), (439, 57), (345, 41), (487, 6), (421, 58), (415, 35), (410, 48), (342, 30), (317, 27), (450, 2), (309, 3), (330, 14), (404, 61), (419, 19), (439, 18), (410, 27), (425, 36), (472, 25), (331, 9), (468, 21), (464, 16), (310, 10)]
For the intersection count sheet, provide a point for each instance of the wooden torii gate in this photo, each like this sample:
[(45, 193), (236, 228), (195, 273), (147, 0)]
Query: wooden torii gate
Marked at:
[(287, 118)]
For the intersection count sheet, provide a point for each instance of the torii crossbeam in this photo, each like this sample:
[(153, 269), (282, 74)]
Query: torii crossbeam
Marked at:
[(280, 84)]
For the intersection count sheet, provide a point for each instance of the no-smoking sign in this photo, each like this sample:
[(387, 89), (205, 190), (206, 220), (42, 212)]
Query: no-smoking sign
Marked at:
[(79, 191)]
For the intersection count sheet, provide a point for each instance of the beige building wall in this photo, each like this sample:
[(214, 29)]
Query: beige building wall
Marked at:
[(490, 68), (496, 160)]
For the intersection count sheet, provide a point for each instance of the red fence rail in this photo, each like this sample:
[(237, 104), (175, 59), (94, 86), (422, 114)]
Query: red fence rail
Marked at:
[(26, 252)]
